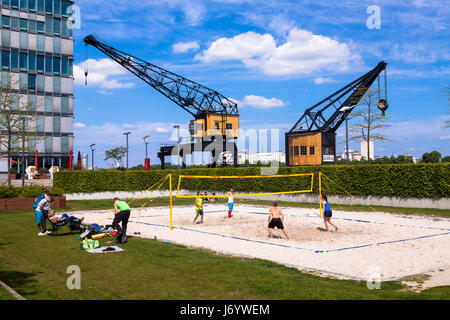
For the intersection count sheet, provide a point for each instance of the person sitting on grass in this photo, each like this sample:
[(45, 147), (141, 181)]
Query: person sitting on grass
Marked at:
[(327, 213), (64, 217)]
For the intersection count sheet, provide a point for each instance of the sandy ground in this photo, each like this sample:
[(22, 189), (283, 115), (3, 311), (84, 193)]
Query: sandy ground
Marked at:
[(368, 245)]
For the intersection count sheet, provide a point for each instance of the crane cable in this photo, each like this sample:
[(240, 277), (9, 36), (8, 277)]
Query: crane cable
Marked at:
[(86, 66)]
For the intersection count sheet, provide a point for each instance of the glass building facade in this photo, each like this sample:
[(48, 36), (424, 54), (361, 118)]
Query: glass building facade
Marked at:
[(36, 45)]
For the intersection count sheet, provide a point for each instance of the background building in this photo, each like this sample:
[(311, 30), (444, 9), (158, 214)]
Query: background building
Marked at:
[(263, 157), (364, 150), (37, 57)]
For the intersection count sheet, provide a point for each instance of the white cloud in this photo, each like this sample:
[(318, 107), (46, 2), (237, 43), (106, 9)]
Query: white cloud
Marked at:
[(101, 73), (262, 102), (182, 47), (302, 53), (79, 125), (321, 80)]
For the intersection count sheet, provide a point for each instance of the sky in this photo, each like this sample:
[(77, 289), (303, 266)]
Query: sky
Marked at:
[(274, 58)]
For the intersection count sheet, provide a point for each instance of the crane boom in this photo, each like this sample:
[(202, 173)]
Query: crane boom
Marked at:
[(314, 118), (195, 98)]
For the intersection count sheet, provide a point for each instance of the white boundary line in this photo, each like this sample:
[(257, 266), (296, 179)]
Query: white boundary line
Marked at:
[(15, 294)]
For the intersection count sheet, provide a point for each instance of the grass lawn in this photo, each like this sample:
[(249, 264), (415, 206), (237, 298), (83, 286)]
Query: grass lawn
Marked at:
[(36, 268)]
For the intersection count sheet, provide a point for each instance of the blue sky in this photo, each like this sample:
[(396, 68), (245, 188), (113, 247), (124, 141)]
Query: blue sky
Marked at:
[(276, 58)]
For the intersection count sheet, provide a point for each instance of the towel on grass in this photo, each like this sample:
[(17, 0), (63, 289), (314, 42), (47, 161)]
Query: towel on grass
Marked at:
[(105, 249)]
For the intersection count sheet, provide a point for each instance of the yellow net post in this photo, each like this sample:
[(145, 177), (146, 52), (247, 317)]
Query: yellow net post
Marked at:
[(320, 193), (170, 196)]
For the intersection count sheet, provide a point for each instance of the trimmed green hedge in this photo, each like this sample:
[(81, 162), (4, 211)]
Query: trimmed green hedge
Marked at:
[(30, 191), (402, 180)]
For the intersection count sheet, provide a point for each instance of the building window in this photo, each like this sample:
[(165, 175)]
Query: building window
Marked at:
[(71, 67), (65, 8), (56, 45), (56, 65), (48, 25), (40, 63), (311, 150), (6, 21), (65, 69), (23, 62), (229, 126), (14, 23), (40, 27), (23, 40), (5, 3), (49, 6), (31, 102), (32, 26), (23, 4), (48, 144), (65, 144), (57, 7), (57, 85), (303, 150), (23, 82), (32, 5), (32, 62), (291, 151), (48, 64), (65, 104), (40, 6), (14, 60), (32, 83), (48, 104), (5, 59), (15, 4), (217, 125), (40, 85), (64, 29), (296, 151), (56, 27), (40, 40), (57, 124), (23, 25)]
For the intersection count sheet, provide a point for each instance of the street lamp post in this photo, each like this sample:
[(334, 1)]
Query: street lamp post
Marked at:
[(178, 144), (126, 134), (92, 155), (146, 144)]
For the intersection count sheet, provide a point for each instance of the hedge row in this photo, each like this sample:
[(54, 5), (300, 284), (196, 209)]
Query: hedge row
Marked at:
[(30, 191), (402, 180)]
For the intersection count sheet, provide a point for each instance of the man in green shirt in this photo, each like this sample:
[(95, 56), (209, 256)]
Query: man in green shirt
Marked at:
[(122, 214), (199, 207)]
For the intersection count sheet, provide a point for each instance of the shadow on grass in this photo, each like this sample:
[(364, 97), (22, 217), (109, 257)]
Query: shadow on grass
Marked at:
[(21, 282)]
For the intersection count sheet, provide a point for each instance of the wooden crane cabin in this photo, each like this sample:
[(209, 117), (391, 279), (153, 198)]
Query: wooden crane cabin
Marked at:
[(215, 124), (310, 148)]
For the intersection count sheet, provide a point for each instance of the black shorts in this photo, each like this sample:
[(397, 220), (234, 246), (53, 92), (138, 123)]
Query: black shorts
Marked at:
[(200, 212), (276, 222), (327, 214)]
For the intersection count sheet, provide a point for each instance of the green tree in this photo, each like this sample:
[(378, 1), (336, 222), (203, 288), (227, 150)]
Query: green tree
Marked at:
[(116, 154), (369, 121), (18, 130), (432, 157), (445, 159)]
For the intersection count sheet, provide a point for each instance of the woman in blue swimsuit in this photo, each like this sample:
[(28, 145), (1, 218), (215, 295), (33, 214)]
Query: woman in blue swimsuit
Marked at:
[(327, 213)]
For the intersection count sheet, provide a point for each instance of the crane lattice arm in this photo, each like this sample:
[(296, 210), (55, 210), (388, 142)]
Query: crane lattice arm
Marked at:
[(196, 99), (315, 119)]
